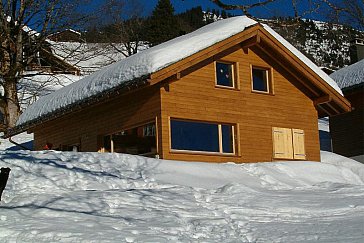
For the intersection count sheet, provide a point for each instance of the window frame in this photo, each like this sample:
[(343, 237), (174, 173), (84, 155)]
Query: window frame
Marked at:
[(234, 76), (269, 79), (152, 121), (220, 138)]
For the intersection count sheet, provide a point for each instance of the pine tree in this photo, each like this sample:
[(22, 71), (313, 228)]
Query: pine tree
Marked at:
[(191, 19), (162, 24)]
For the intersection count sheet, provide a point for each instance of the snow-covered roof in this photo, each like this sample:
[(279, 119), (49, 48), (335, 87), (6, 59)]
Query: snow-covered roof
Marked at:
[(350, 75), (150, 61)]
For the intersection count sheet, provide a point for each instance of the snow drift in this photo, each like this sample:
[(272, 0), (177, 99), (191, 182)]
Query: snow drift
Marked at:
[(91, 197)]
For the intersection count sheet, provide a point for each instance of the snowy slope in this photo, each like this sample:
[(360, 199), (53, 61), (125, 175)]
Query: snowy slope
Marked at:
[(89, 57), (92, 197), (150, 61), (36, 85)]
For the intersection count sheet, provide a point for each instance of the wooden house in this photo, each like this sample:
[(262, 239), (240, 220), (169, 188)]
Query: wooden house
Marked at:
[(67, 35), (347, 130), (231, 91)]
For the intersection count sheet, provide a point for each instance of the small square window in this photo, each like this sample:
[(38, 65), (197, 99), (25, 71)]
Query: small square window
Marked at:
[(260, 80), (225, 74)]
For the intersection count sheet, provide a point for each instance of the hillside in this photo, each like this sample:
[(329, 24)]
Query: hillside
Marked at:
[(91, 197), (325, 44)]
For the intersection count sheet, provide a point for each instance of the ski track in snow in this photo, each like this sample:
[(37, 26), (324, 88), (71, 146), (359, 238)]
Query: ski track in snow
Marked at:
[(90, 197)]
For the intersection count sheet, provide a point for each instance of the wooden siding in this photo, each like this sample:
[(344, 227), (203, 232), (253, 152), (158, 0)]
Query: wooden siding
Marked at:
[(87, 127), (347, 130), (194, 96)]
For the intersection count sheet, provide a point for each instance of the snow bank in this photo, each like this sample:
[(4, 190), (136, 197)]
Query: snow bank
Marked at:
[(91, 197), (335, 159)]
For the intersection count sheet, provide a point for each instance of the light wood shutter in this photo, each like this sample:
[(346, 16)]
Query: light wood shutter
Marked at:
[(282, 143), (298, 144)]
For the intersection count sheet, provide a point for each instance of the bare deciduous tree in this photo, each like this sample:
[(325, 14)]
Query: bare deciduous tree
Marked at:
[(349, 12), (245, 6), (24, 26), (124, 27)]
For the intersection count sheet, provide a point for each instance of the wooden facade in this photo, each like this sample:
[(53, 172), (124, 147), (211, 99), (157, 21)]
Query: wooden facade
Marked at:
[(196, 97), (66, 36), (86, 128), (188, 91), (347, 130)]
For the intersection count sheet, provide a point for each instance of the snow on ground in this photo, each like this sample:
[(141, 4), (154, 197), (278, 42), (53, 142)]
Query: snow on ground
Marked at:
[(91, 197)]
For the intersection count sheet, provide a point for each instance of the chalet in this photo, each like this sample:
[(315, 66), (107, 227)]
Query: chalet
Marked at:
[(67, 35), (233, 90), (46, 61), (347, 130)]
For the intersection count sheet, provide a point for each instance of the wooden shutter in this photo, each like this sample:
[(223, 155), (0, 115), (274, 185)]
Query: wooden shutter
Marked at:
[(298, 144), (282, 143)]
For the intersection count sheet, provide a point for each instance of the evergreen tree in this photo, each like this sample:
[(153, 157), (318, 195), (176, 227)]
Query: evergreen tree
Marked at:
[(162, 24), (224, 14), (191, 19)]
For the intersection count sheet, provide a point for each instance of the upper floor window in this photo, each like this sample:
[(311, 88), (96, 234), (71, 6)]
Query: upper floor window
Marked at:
[(260, 80), (225, 74)]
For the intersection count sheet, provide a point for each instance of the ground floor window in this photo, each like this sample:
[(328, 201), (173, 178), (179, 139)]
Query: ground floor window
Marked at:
[(202, 136), (139, 140), (288, 143)]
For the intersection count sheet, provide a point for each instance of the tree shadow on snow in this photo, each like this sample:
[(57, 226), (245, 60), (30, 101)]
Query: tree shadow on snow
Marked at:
[(28, 145), (8, 157), (99, 209)]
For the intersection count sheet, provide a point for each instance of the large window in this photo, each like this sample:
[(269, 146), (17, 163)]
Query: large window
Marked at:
[(139, 140), (225, 74), (260, 80), (202, 136)]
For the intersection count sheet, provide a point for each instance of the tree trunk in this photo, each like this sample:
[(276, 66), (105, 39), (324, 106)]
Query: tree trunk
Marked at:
[(11, 102)]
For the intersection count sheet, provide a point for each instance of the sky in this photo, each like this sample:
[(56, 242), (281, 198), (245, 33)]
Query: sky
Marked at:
[(277, 8)]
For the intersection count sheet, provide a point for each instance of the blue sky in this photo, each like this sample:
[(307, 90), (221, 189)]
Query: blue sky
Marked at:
[(277, 8)]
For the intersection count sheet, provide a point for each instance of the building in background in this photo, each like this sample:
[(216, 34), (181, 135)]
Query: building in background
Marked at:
[(347, 130)]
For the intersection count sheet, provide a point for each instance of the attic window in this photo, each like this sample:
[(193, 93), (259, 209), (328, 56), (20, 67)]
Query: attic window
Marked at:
[(261, 80), (225, 74)]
